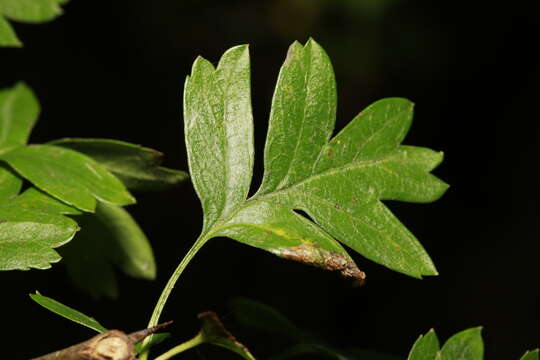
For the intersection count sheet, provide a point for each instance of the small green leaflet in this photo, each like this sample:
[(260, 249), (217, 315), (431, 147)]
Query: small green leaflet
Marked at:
[(425, 348), (136, 166), (339, 182), (27, 237), (67, 312), (108, 237), (213, 332), (28, 11), (68, 175)]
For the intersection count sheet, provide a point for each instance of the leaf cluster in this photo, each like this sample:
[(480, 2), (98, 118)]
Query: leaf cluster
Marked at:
[(72, 183)]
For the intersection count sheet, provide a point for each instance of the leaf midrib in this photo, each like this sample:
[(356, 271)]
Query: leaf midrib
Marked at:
[(219, 223)]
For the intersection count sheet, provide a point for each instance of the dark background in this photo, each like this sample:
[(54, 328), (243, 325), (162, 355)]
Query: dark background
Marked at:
[(116, 69)]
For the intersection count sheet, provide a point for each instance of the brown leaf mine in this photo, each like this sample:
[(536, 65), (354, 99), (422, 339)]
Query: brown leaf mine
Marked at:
[(311, 255)]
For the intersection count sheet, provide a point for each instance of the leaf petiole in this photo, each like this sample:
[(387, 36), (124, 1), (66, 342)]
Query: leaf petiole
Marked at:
[(197, 340), (158, 309)]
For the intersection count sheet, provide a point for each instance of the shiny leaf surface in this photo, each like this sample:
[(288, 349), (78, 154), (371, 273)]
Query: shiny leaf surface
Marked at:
[(339, 182)]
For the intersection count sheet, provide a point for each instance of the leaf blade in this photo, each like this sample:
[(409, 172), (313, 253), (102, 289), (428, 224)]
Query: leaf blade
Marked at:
[(219, 132), (304, 110), (426, 347), (67, 175), (108, 237), (10, 183), (279, 230), (32, 11), (136, 166), (28, 237), (7, 35), (19, 110), (530, 355), (67, 312), (465, 345)]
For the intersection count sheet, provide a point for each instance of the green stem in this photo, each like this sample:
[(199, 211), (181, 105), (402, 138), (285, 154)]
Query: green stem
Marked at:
[(197, 340), (169, 287)]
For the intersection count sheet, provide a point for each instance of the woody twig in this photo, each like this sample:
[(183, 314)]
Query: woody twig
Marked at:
[(110, 345)]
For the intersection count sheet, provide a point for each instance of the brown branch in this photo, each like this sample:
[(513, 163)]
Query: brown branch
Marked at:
[(110, 345)]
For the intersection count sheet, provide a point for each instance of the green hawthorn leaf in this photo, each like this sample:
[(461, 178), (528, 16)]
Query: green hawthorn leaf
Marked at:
[(7, 35), (32, 11), (219, 132), (67, 312), (28, 237), (138, 167), (213, 332), (425, 348), (68, 175), (133, 253), (530, 355), (10, 183), (465, 345), (339, 183), (34, 199), (28, 11), (19, 110), (107, 238)]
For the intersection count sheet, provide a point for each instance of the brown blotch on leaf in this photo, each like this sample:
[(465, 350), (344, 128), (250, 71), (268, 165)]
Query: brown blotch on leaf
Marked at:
[(327, 260)]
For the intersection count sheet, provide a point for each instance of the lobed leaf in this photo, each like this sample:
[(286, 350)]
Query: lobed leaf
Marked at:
[(67, 312), (68, 175), (28, 237), (340, 182), (138, 167)]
